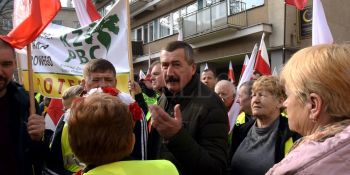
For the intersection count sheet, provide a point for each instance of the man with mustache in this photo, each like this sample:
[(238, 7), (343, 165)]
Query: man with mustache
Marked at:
[(190, 124), (20, 132)]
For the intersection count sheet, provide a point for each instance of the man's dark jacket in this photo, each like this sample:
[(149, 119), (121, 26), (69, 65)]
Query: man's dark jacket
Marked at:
[(29, 153), (200, 147)]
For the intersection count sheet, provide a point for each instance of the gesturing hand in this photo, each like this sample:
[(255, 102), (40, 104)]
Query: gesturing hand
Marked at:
[(166, 125)]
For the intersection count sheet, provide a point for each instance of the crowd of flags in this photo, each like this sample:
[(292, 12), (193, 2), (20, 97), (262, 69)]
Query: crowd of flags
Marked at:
[(32, 16)]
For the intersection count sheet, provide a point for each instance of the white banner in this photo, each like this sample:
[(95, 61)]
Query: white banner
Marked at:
[(62, 51)]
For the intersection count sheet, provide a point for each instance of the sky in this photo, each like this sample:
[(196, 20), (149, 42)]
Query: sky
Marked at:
[(63, 3)]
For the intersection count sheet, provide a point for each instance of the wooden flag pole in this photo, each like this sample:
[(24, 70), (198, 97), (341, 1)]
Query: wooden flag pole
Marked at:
[(131, 74), (30, 79)]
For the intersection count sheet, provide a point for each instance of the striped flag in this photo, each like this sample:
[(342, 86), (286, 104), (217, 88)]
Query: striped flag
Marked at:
[(299, 4), (231, 74), (262, 64), (86, 12), (321, 33)]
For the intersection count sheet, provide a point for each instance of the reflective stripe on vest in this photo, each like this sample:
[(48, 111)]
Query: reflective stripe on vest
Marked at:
[(70, 162), (135, 167), (288, 145)]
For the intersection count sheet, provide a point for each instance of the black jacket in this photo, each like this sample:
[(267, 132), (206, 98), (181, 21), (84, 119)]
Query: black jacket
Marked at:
[(29, 153), (200, 147), (283, 135)]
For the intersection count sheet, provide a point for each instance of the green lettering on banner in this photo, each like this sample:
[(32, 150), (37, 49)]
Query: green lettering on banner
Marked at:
[(81, 55), (71, 55), (64, 40), (92, 51), (76, 41)]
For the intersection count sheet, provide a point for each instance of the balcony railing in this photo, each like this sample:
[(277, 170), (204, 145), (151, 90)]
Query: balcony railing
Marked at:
[(228, 13)]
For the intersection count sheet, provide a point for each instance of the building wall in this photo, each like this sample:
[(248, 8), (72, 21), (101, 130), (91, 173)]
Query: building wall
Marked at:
[(67, 16)]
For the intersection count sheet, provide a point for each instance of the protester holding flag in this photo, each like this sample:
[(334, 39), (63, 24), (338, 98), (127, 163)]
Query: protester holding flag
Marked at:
[(318, 108), (21, 132), (267, 137), (208, 77)]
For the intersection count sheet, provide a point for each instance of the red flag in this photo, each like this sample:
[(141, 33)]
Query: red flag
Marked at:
[(86, 11), (30, 19), (262, 64), (231, 75), (299, 4), (55, 110)]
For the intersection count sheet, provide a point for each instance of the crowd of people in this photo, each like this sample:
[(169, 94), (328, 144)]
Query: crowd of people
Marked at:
[(176, 121)]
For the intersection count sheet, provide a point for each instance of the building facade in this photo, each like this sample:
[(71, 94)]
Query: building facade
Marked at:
[(226, 30)]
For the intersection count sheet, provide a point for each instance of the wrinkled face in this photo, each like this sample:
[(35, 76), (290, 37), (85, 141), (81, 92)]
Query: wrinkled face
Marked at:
[(176, 71), (298, 114), (157, 77), (225, 94), (99, 79), (265, 104), (7, 68), (244, 100), (208, 79)]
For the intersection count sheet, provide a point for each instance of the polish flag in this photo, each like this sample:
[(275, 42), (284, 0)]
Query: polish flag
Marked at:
[(231, 74), (86, 12), (248, 73), (206, 66), (245, 63), (262, 64), (299, 4), (30, 18), (54, 114), (321, 34)]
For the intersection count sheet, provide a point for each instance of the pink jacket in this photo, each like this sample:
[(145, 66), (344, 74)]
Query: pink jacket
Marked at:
[(331, 157)]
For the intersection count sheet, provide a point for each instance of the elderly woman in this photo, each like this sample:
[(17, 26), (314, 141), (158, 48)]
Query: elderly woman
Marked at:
[(317, 82), (260, 143), (101, 135)]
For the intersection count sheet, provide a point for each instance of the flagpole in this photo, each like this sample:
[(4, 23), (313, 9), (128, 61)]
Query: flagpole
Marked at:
[(30, 79), (131, 75), (284, 33)]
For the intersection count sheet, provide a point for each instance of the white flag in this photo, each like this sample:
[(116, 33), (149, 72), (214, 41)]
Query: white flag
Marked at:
[(320, 30), (60, 53), (234, 110)]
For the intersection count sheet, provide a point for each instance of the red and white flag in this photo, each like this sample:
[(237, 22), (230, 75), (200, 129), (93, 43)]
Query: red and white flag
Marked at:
[(245, 63), (248, 73), (321, 34), (86, 12), (262, 64), (30, 18), (299, 4), (230, 73)]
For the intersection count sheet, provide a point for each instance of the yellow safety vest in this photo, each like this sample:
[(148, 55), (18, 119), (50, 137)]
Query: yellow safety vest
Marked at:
[(287, 145), (135, 167), (70, 162)]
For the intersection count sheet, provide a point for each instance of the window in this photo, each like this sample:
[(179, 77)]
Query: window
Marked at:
[(176, 21), (150, 36), (59, 22), (6, 24), (156, 29), (139, 34), (145, 33), (164, 28)]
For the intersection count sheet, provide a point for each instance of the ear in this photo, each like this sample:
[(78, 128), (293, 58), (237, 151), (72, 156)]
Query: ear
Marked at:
[(315, 105), (280, 102), (82, 83), (194, 67)]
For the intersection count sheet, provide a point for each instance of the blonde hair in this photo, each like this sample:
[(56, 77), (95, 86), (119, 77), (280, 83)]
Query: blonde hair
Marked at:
[(270, 84), (324, 70), (72, 91), (100, 129)]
